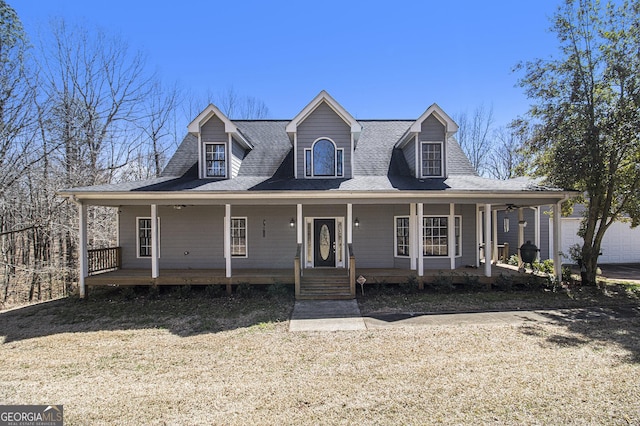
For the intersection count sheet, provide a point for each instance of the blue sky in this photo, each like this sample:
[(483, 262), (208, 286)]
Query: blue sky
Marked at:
[(379, 59)]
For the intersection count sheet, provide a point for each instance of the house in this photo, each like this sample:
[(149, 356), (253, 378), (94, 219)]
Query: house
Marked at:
[(621, 243), (316, 200)]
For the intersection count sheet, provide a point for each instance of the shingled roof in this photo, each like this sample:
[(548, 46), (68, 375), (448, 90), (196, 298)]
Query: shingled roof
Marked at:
[(378, 166)]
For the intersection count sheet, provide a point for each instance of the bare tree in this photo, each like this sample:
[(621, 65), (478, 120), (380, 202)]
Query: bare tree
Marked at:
[(474, 135), (505, 159)]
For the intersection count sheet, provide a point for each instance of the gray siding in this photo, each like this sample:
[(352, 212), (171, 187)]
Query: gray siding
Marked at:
[(409, 151), (433, 130), (237, 155), (511, 237), (373, 240), (196, 231), (324, 122), (213, 131)]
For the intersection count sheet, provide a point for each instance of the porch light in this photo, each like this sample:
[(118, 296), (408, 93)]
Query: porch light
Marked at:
[(179, 206), (356, 223), (292, 223)]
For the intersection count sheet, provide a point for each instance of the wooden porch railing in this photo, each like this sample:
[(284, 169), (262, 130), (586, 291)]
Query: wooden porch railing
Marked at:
[(104, 260), (352, 270), (297, 270)]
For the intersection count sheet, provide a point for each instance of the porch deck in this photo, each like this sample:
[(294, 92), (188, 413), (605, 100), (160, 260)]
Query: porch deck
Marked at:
[(126, 277)]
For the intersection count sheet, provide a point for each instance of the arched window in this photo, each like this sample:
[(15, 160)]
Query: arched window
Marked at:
[(323, 159)]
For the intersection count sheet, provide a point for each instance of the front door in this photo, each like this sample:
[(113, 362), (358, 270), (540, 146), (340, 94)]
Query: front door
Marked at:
[(325, 242)]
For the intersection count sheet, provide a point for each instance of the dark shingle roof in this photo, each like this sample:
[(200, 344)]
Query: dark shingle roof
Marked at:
[(378, 166)]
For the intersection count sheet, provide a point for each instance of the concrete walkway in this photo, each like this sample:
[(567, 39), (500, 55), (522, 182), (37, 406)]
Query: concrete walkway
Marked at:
[(344, 315), (326, 315)]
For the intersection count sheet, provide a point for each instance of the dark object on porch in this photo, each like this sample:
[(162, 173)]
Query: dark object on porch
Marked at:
[(528, 252)]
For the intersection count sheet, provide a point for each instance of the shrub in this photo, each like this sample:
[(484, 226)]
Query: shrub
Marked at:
[(513, 260), (503, 283), (442, 283), (470, 281), (213, 291), (128, 293), (545, 266), (409, 286), (277, 290), (244, 290)]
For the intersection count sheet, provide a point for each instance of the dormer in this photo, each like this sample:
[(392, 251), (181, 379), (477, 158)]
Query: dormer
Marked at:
[(221, 146), (324, 136), (425, 143)]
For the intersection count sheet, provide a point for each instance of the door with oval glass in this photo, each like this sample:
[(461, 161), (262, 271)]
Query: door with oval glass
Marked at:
[(325, 242)]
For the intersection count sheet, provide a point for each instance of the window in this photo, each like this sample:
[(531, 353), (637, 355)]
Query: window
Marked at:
[(436, 234), (432, 159), (239, 237), (402, 236), (215, 160), (324, 160), (144, 236)]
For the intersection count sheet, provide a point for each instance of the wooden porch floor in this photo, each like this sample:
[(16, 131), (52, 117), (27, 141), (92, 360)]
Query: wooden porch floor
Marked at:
[(124, 277)]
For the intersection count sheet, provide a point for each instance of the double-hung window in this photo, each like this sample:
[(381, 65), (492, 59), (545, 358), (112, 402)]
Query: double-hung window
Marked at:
[(435, 236), (239, 237), (432, 159), (143, 240), (215, 160), (402, 241), (323, 159)]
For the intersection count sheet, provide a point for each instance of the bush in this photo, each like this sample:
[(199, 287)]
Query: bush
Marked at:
[(277, 290), (513, 260), (244, 290), (503, 283), (545, 266), (442, 283), (213, 291), (409, 286), (470, 281)]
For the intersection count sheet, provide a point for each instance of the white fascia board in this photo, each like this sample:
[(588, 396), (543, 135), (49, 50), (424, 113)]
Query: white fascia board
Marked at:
[(222, 197), (211, 111), (450, 126), (323, 96)]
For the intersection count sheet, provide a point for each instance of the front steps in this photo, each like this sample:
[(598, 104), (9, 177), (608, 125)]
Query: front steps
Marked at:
[(325, 284)]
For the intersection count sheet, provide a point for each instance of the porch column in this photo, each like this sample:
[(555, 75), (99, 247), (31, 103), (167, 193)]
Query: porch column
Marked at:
[(413, 235), (299, 223), (479, 236), (494, 238), (420, 232), (488, 246), (227, 239), (155, 270), (349, 223), (452, 236), (557, 240), (520, 234), (82, 248)]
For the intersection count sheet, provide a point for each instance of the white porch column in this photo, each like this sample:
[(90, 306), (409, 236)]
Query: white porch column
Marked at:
[(420, 213), (299, 223), (413, 236), (479, 236), (227, 239), (452, 236), (82, 248), (349, 223), (557, 240), (155, 269), (494, 237), (520, 234), (488, 246)]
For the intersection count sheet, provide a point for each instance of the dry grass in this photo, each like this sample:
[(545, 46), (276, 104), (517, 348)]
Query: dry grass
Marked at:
[(232, 361)]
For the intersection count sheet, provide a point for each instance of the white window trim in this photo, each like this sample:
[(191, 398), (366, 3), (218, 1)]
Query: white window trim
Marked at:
[(204, 160), (395, 237), (138, 237), (442, 156), (421, 242), (246, 237), (335, 165)]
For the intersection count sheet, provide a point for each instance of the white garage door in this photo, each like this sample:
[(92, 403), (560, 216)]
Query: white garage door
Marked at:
[(621, 243)]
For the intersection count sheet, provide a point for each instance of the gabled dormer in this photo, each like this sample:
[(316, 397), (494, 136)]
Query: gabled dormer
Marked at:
[(425, 143), (221, 146), (324, 136)]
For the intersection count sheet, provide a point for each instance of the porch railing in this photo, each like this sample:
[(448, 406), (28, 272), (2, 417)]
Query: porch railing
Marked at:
[(352, 271), (104, 260)]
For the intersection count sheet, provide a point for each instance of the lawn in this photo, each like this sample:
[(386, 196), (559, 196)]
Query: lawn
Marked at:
[(230, 360)]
